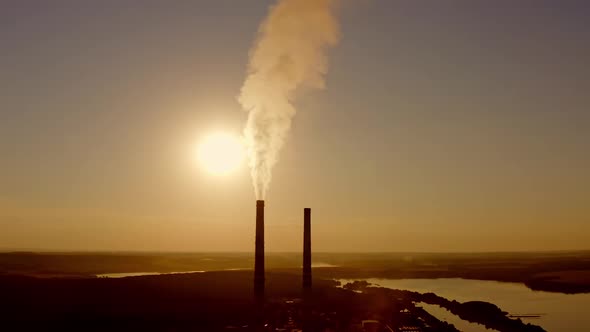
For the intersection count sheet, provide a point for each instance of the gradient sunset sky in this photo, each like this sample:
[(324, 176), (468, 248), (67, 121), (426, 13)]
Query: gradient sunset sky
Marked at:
[(445, 126)]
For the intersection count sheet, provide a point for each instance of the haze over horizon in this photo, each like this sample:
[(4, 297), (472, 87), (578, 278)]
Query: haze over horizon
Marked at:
[(442, 129)]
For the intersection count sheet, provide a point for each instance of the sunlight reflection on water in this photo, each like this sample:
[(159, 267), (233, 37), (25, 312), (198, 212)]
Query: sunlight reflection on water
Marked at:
[(137, 274), (560, 312)]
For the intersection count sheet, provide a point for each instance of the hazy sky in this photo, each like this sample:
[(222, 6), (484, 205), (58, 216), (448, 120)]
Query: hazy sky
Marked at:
[(446, 126)]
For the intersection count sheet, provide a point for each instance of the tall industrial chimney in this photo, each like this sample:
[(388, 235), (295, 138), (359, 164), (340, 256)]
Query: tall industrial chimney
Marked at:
[(307, 248), (259, 250)]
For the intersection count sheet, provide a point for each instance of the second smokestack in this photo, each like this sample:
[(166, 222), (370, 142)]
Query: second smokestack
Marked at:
[(307, 248)]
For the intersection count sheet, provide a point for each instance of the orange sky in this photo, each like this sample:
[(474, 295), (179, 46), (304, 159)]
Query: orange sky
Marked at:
[(461, 128)]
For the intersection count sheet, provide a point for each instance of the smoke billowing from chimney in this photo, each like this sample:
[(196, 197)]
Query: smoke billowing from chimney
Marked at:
[(289, 54)]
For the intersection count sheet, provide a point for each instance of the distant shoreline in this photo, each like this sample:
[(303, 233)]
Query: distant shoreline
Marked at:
[(562, 272), (174, 252)]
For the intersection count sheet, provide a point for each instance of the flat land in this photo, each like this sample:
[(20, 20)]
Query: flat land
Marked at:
[(566, 272), (224, 300)]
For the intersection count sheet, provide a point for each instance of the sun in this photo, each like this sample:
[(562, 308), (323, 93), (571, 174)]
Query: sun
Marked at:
[(220, 153)]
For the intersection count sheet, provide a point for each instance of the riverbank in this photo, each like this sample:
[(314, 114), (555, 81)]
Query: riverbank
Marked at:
[(562, 272), (480, 312), (551, 311)]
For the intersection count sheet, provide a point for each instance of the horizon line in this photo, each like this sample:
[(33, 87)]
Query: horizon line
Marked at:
[(105, 251)]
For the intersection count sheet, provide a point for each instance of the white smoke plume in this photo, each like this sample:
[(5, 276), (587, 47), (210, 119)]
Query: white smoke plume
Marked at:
[(289, 54)]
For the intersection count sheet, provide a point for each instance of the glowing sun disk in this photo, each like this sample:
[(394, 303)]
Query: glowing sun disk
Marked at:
[(220, 153)]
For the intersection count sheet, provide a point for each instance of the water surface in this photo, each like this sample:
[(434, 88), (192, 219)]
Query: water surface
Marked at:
[(559, 312), (136, 274)]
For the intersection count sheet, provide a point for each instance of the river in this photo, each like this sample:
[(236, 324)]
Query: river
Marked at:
[(137, 274), (559, 312)]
